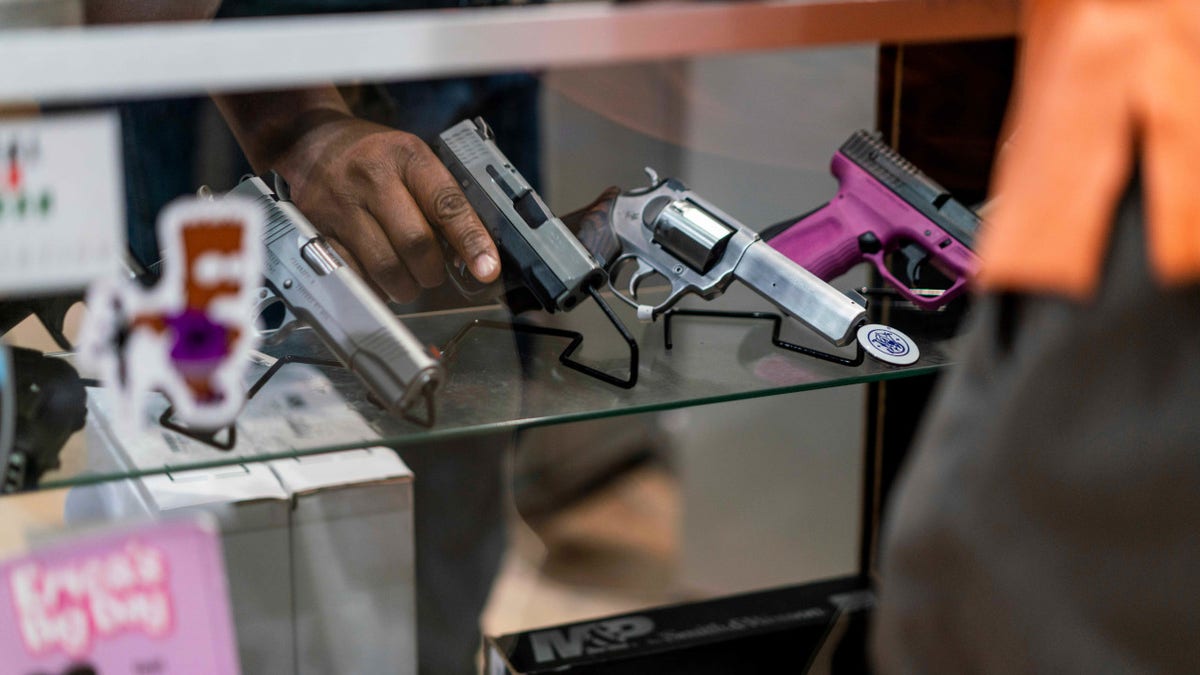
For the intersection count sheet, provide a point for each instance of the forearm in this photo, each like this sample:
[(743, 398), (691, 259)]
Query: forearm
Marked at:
[(268, 125), (380, 195), (284, 130)]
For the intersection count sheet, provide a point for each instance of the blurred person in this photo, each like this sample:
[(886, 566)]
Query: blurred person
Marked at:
[(1048, 519), (382, 198)]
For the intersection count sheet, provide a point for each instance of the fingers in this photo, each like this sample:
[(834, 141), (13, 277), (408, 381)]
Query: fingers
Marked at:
[(353, 264), (367, 243), (592, 225), (387, 198), (447, 209), (409, 233)]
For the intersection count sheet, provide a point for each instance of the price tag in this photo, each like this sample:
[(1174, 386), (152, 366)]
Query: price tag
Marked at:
[(62, 202), (146, 600)]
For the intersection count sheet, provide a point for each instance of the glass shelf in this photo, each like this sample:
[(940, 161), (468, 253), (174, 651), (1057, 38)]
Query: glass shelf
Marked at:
[(499, 382)]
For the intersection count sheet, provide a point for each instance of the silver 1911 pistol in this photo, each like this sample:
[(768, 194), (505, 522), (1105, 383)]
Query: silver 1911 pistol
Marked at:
[(320, 290)]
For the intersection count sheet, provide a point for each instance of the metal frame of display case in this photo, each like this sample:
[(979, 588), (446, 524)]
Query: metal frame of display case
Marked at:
[(108, 62), (918, 84)]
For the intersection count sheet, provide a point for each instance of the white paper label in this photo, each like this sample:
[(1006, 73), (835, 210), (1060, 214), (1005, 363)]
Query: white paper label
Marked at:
[(62, 202), (888, 344)]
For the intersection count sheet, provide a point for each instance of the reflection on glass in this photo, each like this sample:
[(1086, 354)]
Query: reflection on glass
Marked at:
[(566, 138)]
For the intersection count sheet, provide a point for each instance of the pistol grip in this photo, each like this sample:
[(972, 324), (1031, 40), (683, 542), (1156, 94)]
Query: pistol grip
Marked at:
[(821, 243)]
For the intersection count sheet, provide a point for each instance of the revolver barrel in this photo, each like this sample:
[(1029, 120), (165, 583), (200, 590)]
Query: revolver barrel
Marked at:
[(799, 293)]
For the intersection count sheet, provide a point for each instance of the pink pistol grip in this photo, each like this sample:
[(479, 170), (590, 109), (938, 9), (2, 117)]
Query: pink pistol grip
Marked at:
[(821, 243), (826, 242)]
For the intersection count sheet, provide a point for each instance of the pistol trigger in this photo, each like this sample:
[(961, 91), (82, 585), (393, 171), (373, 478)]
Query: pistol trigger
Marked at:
[(643, 272), (914, 258), (460, 277)]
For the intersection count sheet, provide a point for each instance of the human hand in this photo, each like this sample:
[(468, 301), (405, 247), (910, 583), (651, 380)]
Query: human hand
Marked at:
[(592, 225), (383, 198)]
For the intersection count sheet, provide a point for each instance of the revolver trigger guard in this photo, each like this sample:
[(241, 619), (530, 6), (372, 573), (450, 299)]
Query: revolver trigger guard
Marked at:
[(614, 270), (678, 290), (643, 272), (652, 312)]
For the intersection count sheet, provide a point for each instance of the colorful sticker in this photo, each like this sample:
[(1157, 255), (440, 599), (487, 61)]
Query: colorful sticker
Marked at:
[(190, 335), (148, 600)]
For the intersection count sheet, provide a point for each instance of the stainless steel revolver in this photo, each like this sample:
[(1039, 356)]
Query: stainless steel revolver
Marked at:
[(668, 230)]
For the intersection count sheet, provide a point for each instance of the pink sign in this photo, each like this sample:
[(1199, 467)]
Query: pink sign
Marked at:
[(140, 601)]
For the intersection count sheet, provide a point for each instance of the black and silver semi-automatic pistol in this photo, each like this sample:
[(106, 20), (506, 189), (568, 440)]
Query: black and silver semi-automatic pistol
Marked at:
[(540, 259), (543, 265)]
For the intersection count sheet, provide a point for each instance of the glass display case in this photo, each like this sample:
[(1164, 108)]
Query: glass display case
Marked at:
[(717, 94)]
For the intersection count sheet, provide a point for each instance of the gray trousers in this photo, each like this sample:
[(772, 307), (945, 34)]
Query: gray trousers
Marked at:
[(1049, 519), (459, 509)]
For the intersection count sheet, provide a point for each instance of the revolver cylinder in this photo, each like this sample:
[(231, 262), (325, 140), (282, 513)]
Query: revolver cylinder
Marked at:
[(688, 232)]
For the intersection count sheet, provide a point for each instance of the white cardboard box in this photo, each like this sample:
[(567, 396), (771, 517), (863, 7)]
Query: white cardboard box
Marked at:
[(319, 549), (250, 505), (352, 562)]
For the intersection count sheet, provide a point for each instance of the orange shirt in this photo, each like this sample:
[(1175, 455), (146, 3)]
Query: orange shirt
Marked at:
[(1101, 84)]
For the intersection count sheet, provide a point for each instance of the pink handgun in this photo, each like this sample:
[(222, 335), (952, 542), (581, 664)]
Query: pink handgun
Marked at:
[(884, 204)]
